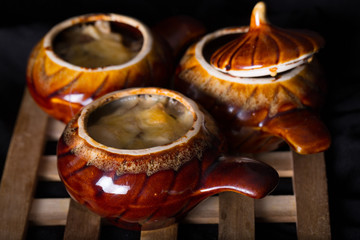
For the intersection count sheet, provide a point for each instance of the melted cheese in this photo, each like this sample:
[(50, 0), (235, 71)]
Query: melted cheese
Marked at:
[(142, 122), (93, 46)]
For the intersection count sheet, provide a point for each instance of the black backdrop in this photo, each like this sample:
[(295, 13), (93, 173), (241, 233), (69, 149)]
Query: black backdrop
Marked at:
[(22, 24)]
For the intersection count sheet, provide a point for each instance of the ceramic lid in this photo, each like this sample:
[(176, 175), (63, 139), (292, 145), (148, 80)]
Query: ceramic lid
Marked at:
[(265, 49)]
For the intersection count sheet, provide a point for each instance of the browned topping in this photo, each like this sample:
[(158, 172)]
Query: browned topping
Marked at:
[(94, 45), (141, 121)]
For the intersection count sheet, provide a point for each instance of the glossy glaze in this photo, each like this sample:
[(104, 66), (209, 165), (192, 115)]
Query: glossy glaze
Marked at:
[(265, 49), (155, 187), (256, 113), (61, 89)]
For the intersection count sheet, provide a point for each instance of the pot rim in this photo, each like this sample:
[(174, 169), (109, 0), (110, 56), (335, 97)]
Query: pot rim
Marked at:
[(199, 46), (135, 23), (198, 117)]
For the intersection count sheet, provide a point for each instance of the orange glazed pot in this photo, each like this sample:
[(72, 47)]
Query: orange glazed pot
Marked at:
[(261, 85), (149, 188), (62, 88)]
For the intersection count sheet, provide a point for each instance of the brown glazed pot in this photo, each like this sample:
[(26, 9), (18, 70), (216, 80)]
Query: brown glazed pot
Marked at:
[(154, 187), (61, 89), (261, 104)]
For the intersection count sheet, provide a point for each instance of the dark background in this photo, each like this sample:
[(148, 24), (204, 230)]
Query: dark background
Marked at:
[(22, 24)]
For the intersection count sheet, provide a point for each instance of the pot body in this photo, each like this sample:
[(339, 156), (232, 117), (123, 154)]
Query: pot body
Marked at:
[(62, 89), (256, 114), (135, 201), (137, 191), (151, 188)]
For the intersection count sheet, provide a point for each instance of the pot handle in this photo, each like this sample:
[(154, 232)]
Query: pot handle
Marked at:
[(301, 129), (239, 174)]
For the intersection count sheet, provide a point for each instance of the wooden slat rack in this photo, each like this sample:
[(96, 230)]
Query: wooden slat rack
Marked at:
[(235, 215)]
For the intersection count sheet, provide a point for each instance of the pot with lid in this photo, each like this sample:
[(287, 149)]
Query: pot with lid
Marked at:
[(261, 83)]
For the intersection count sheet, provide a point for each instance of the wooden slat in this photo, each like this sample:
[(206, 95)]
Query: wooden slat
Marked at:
[(207, 212), (281, 161), (269, 209), (310, 187), (81, 223), (49, 211), (19, 176), (54, 129), (48, 169), (237, 217), (168, 233), (278, 208), (275, 209)]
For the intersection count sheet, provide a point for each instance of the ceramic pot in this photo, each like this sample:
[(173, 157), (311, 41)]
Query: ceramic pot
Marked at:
[(153, 187), (62, 88), (262, 84)]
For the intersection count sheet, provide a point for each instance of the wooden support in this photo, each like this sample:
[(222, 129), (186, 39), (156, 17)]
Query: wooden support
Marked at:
[(48, 169), (20, 172), (168, 233), (237, 217), (49, 211), (281, 161), (310, 187), (81, 223), (275, 209)]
